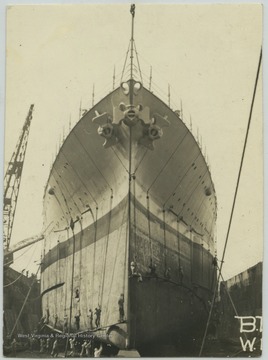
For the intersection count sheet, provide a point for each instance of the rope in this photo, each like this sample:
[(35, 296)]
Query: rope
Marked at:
[(82, 182), (72, 288), (149, 226), (178, 237), (138, 60), (165, 244), (119, 159), (92, 160), (180, 181), (134, 212), (145, 153), (57, 274), (125, 63), (106, 248), (191, 194), (27, 249), (67, 207), (80, 259), (59, 203), (94, 255), (70, 196), (234, 201), (14, 281), (174, 151), (197, 211), (231, 300), (66, 279), (115, 261)]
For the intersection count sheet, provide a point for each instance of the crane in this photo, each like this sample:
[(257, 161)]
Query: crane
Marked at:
[(8, 253), (12, 180)]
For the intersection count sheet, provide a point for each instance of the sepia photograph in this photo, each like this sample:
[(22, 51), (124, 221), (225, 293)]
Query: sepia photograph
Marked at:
[(133, 180)]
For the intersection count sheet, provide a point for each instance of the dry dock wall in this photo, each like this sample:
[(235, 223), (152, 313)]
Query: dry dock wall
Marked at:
[(245, 290), (16, 287)]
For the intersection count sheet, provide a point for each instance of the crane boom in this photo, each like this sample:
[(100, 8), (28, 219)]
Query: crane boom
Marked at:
[(12, 179), (8, 253)]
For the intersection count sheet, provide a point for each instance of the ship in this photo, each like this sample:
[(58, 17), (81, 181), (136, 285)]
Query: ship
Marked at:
[(130, 208)]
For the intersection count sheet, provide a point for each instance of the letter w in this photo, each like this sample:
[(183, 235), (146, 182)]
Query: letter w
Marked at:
[(247, 343)]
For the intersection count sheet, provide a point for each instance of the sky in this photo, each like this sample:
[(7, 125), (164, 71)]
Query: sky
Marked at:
[(207, 53)]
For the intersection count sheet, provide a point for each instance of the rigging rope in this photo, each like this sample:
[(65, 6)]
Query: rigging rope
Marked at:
[(125, 63), (80, 261), (178, 238), (184, 175), (115, 260), (92, 160), (193, 191), (105, 251), (145, 153), (174, 151), (82, 182), (112, 148), (94, 255), (134, 215), (70, 196), (149, 226), (63, 212), (234, 201), (72, 286), (139, 68), (66, 278), (13, 282), (231, 300), (17, 257), (57, 274), (165, 244)]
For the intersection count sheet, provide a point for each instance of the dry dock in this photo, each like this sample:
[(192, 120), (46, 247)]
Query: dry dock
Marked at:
[(236, 329)]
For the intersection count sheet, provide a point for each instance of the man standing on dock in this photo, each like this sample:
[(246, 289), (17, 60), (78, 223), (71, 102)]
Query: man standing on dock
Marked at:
[(121, 308)]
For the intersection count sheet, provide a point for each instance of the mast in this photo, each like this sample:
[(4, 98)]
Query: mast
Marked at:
[(132, 11), (131, 178)]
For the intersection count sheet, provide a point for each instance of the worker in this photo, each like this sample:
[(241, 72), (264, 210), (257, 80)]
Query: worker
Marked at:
[(133, 267), (90, 317), (215, 261), (71, 341), (65, 323), (31, 341), (77, 320), (97, 316), (77, 295), (47, 315), (42, 344), (168, 273), (55, 320), (88, 348), (83, 347), (152, 268), (121, 308), (14, 346), (48, 345), (55, 349), (97, 352)]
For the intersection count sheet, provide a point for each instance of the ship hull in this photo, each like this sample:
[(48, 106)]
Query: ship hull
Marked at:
[(133, 220)]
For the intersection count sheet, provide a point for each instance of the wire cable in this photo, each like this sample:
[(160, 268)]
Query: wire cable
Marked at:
[(172, 154), (234, 202)]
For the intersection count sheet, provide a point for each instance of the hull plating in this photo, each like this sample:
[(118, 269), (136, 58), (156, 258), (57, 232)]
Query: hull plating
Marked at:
[(110, 208)]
